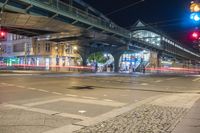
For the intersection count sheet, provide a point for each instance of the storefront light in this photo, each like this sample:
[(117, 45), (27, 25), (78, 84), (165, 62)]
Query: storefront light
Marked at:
[(75, 48)]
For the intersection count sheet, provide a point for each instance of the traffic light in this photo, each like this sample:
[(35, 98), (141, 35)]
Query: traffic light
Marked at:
[(195, 35), (195, 11), (195, 7), (195, 16), (2, 35)]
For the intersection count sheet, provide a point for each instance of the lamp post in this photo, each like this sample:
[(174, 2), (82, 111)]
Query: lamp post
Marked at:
[(57, 58), (75, 48)]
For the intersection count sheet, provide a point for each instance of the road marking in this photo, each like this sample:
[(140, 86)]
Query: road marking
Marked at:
[(4, 83), (171, 78), (10, 85), (65, 129), (158, 81), (73, 116), (20, 86), (106, 102), (184, 100), (43, 102), (70, 95), (89, 97), (144, 84), (30, 109), (82, 111), (42, 90), (32, 88), (48, 112), (105, 95), (56, 93), (197, 79)]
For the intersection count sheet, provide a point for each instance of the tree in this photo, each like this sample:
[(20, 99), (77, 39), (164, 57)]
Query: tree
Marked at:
[(98, 57)]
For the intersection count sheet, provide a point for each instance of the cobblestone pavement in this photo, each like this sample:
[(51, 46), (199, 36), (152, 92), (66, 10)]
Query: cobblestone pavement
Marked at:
[(144, 119), (155, 117)]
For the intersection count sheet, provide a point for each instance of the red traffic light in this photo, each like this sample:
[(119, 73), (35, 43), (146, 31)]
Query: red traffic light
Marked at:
[(2, 35), (195, 35)]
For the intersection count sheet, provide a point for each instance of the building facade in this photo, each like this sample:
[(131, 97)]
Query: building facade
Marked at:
[(38, 54)]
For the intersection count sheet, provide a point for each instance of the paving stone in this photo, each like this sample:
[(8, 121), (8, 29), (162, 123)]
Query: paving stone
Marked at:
[(20, 121), (144, 119), (186, 129)]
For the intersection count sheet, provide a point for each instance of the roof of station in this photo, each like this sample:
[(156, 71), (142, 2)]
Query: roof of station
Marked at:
[(140, 26)]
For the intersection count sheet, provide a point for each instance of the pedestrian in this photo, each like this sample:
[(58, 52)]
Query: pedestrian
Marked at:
[(96, 67)]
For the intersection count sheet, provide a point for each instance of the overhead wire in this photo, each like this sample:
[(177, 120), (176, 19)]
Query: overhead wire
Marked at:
[(123, 8)]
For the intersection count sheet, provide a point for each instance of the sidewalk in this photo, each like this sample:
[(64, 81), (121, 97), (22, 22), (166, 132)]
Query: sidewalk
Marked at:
[(191, 122)]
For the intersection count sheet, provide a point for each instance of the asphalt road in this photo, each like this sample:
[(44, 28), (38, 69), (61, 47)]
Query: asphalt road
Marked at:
[(65, 103)]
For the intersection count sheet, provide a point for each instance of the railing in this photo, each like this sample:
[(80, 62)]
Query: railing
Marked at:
[(59, 7), (83, 15)]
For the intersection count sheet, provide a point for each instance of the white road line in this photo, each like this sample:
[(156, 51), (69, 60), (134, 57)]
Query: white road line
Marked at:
[(56, 93), (43, 102), (42, 90), (3, 83), (48, 112), (31, 109), (20, 86), (70, 95), (65, 129), (32, 88), (171, 78), (10, 85), (197, 79), (89, 97), (108, 102), (144, 84), (73, 116), (158, 81), (82, 111)]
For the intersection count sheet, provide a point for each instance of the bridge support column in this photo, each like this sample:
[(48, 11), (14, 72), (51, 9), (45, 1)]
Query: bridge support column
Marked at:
[(116, 62), (84, 53), (84, 59), (159, 56)]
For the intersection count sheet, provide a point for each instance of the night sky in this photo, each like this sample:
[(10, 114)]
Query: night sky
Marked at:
[(170, 16)]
